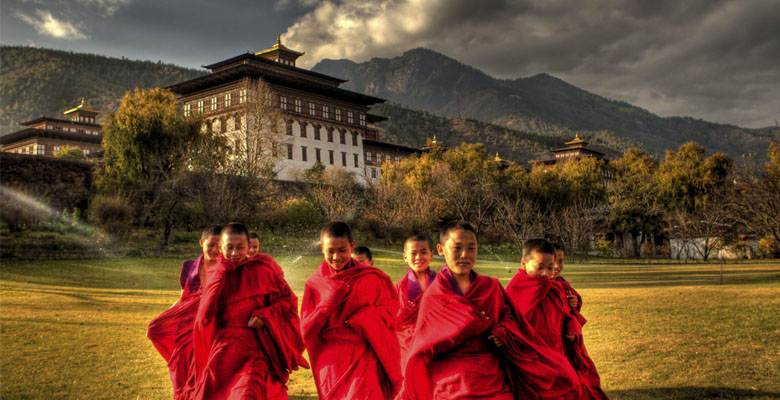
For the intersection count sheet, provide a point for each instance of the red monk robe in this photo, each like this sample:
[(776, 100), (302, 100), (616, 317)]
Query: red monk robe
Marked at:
[(451, 356), (567, 289), (232, 360), (409, 295), (171, 332), (347, 321), (544, 304)]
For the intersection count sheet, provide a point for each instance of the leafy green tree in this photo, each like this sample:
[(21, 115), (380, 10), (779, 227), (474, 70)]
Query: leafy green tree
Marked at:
[(70, 153), (635, 206), (148, 146), (686, 179)]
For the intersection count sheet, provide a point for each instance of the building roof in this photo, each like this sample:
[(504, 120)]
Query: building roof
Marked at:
[(373, 118), (390, 146), (281, 48), (576, 141), (582, 149), (66, 121), (83, 108), (250, 65), (30, 133)]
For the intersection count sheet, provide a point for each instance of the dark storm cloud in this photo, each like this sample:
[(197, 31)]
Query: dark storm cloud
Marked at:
[(710, 59), (189, 33)]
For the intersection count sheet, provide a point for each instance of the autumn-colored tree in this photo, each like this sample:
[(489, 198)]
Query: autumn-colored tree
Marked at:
[(686, 178), (756, 203), (70, 153), (148, 146)]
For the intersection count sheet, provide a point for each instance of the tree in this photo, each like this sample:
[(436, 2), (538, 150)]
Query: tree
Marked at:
[(334, 192), (634, 203), (236, 169), (70, 153), (756, 203), (686, 179), (148, 146), (388, 205)]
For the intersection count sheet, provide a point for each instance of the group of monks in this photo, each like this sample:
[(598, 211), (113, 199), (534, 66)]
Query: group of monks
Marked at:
[(236, 333)]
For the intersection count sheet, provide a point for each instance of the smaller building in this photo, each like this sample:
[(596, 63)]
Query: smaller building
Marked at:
[(46, 136), (573, 149)]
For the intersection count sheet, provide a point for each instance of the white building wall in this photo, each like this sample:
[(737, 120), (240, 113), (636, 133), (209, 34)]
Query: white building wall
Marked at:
[(292, 169)]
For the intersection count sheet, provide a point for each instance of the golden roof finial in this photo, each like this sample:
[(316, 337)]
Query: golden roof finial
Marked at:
[(278, 40), (434, 138), (82, 103), (497, 157)]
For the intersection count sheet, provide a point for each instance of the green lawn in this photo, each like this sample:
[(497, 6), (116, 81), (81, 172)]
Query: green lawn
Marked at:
[(76, 328)]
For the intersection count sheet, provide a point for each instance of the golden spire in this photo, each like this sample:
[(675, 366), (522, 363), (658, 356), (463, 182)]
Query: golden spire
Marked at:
[(497, 157)]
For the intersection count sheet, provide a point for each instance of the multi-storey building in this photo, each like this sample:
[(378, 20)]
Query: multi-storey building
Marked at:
[(322, 122), (574, 149), (46, 136)]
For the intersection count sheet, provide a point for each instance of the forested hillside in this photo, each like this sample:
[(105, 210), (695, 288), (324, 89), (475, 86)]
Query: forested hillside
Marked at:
[(35, 82)]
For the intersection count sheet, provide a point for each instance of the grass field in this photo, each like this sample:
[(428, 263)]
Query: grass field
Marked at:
[(76, 329)]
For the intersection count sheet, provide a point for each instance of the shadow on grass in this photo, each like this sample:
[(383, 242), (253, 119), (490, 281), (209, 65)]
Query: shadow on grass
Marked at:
[(692, 392)]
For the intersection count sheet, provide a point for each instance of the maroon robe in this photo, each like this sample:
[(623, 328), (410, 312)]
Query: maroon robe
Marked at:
[(544, 304), (347, 319), (232, 360), (451, 356), (409, 295), (171, 331)]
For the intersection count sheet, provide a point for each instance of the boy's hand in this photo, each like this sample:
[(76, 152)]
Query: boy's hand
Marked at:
[(570, 337), (572, 301), (255, 322), (496, 340)]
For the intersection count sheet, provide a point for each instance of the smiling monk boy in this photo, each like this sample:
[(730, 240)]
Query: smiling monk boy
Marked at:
[(347, 319), (544, 303), (469, 341)]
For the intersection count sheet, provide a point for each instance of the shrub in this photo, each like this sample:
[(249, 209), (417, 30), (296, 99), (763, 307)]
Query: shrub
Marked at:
[(112, 214)]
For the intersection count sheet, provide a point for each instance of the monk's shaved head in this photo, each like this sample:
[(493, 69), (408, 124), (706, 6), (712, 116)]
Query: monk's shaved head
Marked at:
[(336, 229), (235, 228), (541, 246), (455, 226), (210, 231)]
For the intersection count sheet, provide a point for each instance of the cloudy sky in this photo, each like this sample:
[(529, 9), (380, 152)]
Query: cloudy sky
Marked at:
[(718, 60)]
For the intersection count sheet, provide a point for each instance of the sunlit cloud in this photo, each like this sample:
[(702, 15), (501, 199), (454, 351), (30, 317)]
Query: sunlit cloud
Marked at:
[(45, 24)]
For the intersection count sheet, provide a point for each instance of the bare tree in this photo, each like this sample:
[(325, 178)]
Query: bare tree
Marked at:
[(388, 206), (518, 219), (575, 225), (333, 192), (756, 200)]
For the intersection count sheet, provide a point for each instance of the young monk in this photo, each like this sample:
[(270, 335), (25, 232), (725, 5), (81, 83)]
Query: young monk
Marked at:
[(246, 337), (362, 255), (171, 332), (470, 342), (574, 298), (418, 256), (254, 244), (347, 319), (544, 304)]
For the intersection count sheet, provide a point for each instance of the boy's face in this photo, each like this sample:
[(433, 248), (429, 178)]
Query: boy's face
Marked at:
[(336, 251), (558, 267), (417, 255), (254, 247), (234, 246), (459, 251), (539, 265), (210, 247), (361, 258)]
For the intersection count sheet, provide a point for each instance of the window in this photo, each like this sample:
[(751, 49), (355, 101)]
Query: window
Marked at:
[(228, 100), (343, 137), (298, 105), (356, 160), (200, 106), (289, 151), (214, 103), (373, 172), (289, 127), (242, 96), (338, 114), (350, 117), (343, 158), (317, 155), (316, 132), (354, 139), (397, 159), (330, 134), (187, 110), (362, 119), (284, 102), (303, 129), (369, 156), (303, 153), (325, 113), (208, 126), (237, 122), (330, 155), (223, 124), (312, 108)]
